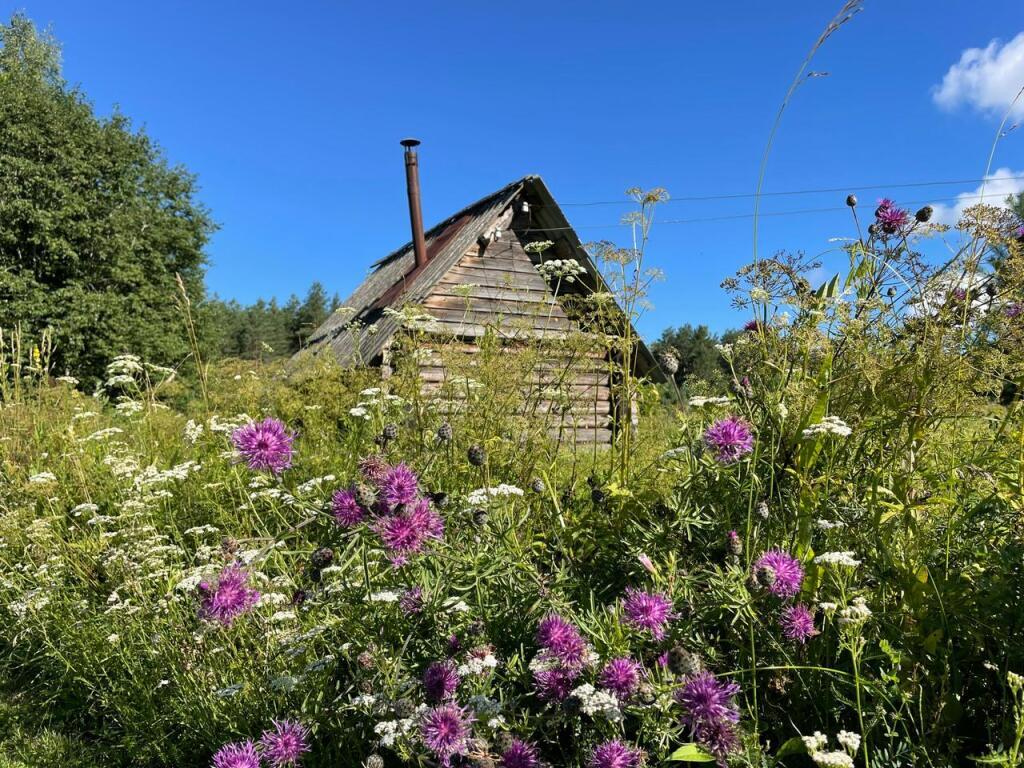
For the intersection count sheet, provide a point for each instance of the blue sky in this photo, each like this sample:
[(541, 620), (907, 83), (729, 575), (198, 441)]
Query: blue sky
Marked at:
[(291, 116)]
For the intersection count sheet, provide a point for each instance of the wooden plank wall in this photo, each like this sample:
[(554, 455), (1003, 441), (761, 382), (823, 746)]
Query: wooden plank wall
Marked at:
[(497, 288)]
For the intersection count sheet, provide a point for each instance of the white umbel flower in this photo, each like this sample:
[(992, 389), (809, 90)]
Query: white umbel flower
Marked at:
[(830, 425)]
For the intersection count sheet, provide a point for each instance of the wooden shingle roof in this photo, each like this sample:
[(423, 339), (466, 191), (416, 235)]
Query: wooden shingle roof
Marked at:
[(359, 334)]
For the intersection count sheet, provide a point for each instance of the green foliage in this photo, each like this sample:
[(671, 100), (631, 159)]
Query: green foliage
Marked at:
[(94, 224), (701, 368), (264, 329), (882, 460)]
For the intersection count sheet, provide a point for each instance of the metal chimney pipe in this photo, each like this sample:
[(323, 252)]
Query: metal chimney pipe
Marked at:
[(412, 183)]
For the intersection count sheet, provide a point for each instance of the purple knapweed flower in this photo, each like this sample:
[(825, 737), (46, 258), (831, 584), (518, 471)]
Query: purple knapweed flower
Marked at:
[(446, 731), (798, 623), (621, 676), (555, 683), (265, 445), (890, 217), (784, 573), (285, 744), (441, 681), (1015, 310), (346, 509), (411, 601), (373, 468), (710, 713), (651, 611), (752, 326), (562, 640), (519, 754), (405, 533), (399, 486), (230, 598), (613, 754), (239, 754), (730, 439)]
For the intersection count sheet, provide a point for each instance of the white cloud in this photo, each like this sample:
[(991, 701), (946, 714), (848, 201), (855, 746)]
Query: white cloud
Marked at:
[(986, 79), (998, 185)]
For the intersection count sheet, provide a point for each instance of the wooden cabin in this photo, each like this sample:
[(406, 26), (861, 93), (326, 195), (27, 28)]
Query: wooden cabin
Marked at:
[(478, 274)]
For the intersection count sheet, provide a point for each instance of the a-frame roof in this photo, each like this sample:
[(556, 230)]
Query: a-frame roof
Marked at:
[(359, 334)]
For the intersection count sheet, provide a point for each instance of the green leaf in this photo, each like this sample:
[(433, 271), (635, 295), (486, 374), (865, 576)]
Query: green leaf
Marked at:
[(691, 753), (795, 746)]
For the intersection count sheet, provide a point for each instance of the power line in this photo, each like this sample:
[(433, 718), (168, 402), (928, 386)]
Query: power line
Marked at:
[(818, 191), (763, 214)]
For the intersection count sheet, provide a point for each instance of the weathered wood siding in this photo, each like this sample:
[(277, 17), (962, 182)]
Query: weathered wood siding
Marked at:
[(498, 289)]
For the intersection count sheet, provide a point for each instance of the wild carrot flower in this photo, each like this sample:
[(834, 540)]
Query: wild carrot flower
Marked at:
[(440, 681), (446, 731), (613, 754), (562, 640), (240, 754), (647, 610), (730, 439), (265, 445), (779, 572), (519, 754), (621, 676), (798, 623), (710, 713), (890, 217), (398, 486), (230, 598), (346, 509), (285, 744)]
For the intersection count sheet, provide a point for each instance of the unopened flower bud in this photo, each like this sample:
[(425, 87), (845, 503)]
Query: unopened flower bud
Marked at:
[(851, 200), (924, 214)]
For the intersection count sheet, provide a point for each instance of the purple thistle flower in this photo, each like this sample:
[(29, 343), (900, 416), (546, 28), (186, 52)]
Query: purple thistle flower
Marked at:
[(446, 731), (622, 676), (710, 713), (265, 445), (346, 509), (411, 601), (406, 533), (647, 610), (373, 468), (285, 744), (890, 217), (798, 623), (562, 640), (239, 754), (785, 572), (440, 681), (398, 486), (752, 326), (730, 439), (230, 598), (555, 683), (1015, 310), (520, 754), (613, 754)]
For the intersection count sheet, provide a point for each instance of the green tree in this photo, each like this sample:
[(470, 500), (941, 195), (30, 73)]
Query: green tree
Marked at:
[(694, 348), (94, 223), (309, 315)]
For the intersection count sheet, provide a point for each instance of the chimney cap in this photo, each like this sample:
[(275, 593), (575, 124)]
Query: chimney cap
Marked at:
[(410, 143)]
